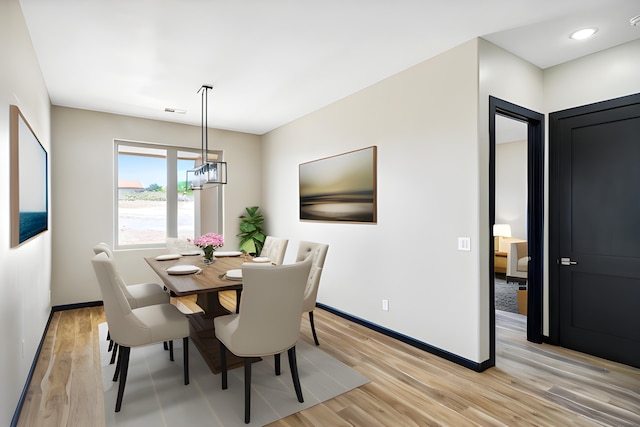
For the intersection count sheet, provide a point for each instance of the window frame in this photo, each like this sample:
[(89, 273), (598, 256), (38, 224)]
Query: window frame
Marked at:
[(171, 155)]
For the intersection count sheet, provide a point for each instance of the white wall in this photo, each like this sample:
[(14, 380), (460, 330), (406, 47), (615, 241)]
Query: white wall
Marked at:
[(25, 271), (608, 74), (424, 122), (82, 191), (511, 186)]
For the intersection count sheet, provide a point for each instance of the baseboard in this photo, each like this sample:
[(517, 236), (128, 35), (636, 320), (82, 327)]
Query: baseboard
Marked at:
[(74, 306), (23, 395), (478, 367)]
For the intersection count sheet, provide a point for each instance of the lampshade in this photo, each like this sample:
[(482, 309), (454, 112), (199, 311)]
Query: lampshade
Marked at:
[(503, 230), (208, 172)]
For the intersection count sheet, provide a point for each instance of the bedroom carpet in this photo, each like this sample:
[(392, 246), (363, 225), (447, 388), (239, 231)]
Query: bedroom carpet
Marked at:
[(506, 296)]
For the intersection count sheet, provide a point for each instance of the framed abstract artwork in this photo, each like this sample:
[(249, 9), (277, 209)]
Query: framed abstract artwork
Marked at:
[(29, 193), (340, 188)]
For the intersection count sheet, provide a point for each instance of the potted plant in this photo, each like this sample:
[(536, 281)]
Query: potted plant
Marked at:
[(251, 231)]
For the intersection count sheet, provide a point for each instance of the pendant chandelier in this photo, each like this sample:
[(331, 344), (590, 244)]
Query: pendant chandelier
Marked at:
[(208, 173)]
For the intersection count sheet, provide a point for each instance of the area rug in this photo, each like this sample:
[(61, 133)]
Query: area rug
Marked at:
[(506, 296), (155, 394)]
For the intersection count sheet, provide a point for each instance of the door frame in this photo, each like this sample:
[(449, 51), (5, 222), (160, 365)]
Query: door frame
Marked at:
[(535, 214)]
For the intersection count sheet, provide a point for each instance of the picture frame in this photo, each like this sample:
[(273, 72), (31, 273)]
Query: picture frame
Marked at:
[(340, 188), (29, 170)]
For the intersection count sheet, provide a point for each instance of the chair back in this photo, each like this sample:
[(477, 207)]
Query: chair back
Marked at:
[(124, 326), (106, 249), (274, 248), (318, 253), (103, 247), (270, 308)]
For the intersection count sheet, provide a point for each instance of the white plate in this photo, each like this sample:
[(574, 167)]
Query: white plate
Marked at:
[(167, 257), (183, 269), (230, 253), (234, 274), (261, 259), (191, 253)]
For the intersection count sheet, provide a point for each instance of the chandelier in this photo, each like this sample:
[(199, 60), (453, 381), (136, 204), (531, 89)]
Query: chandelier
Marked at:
[(207, 173)]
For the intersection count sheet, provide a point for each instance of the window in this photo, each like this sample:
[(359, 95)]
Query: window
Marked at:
[(152, 201)]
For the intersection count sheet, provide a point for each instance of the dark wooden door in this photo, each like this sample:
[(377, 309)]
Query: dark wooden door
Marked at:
[(595, 172)]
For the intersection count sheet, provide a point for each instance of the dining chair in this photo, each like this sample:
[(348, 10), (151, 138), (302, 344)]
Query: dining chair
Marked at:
[(135, 327), (274, 248), (318, 253), (268, 322), (138, 295)]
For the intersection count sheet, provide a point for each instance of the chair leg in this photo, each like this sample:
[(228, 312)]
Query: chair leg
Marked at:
[(293, 365), (117, 370), (124, 367), (276, 358), (166, 346), (110, 346), (185, 356), (238, 294), (223, 365), (247, 390), (171, 350), (313, 328), (114, 353)]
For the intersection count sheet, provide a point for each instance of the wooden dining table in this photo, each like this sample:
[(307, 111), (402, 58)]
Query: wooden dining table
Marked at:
[(205, 284)]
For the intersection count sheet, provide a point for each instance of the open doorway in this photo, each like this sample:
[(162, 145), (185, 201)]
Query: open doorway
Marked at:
[(510, 227), (534, 234)]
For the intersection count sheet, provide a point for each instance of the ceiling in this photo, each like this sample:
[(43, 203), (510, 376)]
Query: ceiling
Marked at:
[(273, 61)]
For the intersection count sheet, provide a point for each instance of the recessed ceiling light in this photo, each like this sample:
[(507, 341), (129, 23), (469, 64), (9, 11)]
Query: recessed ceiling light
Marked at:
[(635, 20), (584, 33), (175, 110)]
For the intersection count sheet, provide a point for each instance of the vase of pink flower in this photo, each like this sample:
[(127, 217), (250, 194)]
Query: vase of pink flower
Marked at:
[(209, 243)]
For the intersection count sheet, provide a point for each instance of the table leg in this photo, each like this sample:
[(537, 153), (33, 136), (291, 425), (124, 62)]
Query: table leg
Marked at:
[(203, 333)]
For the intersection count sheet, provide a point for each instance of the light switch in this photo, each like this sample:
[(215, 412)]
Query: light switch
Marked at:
[(464, 243)]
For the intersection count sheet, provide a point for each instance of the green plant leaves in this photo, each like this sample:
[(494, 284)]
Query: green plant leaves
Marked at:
[(251, 232)]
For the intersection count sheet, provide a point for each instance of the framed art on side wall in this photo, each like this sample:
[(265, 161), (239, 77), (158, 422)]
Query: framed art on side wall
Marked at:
[(340, 188), (29, 185)]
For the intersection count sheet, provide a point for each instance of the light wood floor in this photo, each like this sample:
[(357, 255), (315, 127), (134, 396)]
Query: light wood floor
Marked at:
[(532, 385)]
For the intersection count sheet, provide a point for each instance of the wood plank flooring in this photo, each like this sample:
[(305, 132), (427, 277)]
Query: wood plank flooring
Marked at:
[(531, 385)]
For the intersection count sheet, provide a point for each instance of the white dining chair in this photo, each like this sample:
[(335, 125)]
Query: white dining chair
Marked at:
[(274, 248), (318, 253), (268, 322), (135, 327), (138, 295)]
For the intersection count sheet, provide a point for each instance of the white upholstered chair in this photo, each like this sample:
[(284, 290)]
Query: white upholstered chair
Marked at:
[(274, 248), (136, 327), (318, 253), (138, 295), (518, 261), (268, 322)]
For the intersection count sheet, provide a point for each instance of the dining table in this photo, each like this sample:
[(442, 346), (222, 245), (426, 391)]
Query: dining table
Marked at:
[(206, 282)]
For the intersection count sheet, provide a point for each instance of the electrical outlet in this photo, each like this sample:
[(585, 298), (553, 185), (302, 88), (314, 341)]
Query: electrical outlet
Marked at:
[(385, 305)]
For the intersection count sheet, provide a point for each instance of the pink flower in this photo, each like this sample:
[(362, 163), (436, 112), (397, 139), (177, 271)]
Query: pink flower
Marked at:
[(209, 239)]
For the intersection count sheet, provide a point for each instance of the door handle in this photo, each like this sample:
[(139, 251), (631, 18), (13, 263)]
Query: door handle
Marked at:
[(567, 261)]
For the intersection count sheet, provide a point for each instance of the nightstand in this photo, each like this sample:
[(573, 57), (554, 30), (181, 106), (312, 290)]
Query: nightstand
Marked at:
[(500, 262)]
